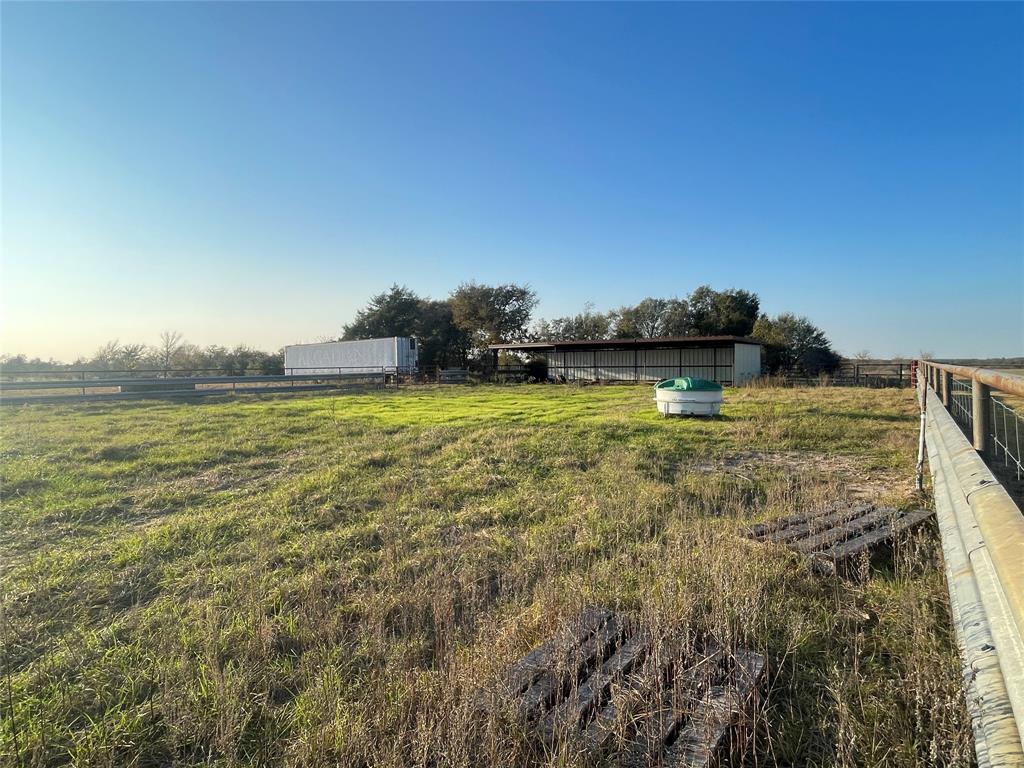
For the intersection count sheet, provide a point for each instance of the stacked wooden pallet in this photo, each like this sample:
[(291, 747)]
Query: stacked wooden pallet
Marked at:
[(832, 537), (604, 689)]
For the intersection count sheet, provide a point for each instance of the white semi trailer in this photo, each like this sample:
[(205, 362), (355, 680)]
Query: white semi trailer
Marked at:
[(395, 354)]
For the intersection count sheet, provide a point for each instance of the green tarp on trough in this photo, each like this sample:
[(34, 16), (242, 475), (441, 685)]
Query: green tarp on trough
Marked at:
[(687, 384)]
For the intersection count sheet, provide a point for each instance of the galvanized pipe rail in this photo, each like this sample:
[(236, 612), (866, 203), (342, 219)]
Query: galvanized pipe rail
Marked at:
[(138, 388), (989, 406), (982, 533), (182, 380)]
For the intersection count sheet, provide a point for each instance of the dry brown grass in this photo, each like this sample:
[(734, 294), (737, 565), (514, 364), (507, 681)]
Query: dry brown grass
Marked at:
[(330, 581)]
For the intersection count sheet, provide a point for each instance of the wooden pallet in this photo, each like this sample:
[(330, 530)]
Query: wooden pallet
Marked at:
[(604, 689), (831, 537)]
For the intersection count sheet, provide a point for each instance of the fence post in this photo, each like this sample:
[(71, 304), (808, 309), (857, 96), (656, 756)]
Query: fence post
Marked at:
[(947, 385), (981, 395)]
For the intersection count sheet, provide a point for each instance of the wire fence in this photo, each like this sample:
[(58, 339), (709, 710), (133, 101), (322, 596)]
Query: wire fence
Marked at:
[(1007, 429), (999, 436), (35, 387), (960, 404)]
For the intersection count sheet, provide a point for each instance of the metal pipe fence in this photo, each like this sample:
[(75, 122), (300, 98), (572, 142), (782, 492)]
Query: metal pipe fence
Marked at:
[(90, 374), (982, 533), (849, 374), (973, 434), (988, 406), (84, 385)]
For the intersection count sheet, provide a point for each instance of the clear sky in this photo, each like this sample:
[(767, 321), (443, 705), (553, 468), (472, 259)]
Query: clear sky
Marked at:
[(253, 172)]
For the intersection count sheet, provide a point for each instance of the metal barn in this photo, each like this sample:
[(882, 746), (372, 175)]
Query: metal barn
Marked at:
[(726, 359)]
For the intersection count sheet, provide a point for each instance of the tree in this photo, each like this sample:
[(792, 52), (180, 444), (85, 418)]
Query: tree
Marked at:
[(21, 362), (170, 341), (188, 358), (131, 355), (586, 325), (645, 320), (795, 344), (442, 342), (107, 356), (392, 313), (492, 314), (400, 312), (678, 320), (862, 355), (722, 313), (705, 312)]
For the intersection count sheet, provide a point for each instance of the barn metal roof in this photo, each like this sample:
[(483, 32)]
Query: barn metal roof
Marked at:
[(671, 342)]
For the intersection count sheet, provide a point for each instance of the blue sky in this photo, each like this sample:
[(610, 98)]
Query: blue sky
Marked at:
[(253, 172)]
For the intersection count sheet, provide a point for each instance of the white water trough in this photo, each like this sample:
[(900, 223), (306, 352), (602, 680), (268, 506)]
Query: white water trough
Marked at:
[(688, 397)]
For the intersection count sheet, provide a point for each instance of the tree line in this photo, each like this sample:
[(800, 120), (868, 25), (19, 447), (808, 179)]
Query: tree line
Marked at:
[(172, 353), (457, 330)]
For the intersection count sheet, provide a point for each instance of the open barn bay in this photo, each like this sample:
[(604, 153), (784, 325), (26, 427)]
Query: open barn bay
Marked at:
[(331, 580)]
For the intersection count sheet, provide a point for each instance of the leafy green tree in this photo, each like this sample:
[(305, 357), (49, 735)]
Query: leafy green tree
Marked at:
[(677, 320), (645, 320), (272, 364), (705, 312), (400, 312), (795, 344), (21, 362), (187, 359), (442, 342), (395, 312), (131, 356), (492, 314), (586, 325), (722, 313)]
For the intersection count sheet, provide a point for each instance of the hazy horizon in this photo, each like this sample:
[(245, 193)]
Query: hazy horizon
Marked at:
[(253, 173)]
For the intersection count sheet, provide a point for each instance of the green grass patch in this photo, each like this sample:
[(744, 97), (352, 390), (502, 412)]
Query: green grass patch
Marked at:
[(325, 580)]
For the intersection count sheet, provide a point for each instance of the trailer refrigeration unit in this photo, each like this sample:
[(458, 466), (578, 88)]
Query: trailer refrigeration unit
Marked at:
[(396, 354)]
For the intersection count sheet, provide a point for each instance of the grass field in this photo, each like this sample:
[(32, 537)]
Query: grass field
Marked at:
[(330, 580)]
